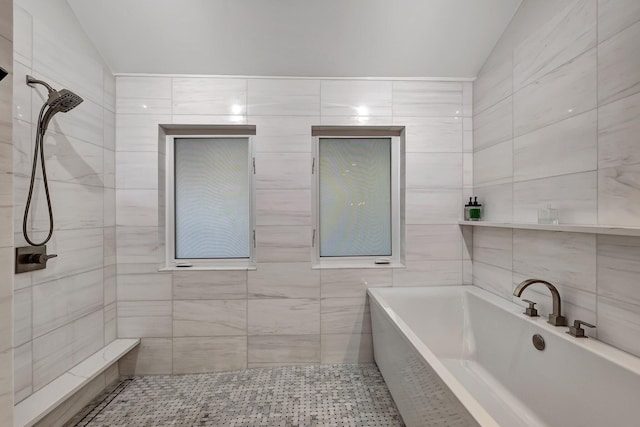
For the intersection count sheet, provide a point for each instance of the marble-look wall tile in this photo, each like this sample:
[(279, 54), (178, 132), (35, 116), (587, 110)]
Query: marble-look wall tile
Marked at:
[(614, 16), (283, 207), (143, 282), (431, 134), (205, 318), (59, 350), (22, 375), (567, 91), (575, 197), (290, 134), (148, 319), (433, 206), (433, 243), (22, 35), (566, 147), (137, 170), (76, 206), (209, 285), (283, 350), (429, 273), (209, 354), (110, 323), (345, 316), (137, 245), (62, 301), (356, 120), (619, 324), (284, 317), (618, 127), (493, 165), (568, 259), (109, 274), (467, 272), (619, 195), (493, 125), (427, 99), (353, 283), (78, 251), (467, 99), (356, 98), (493, 279), (618, 65), (198, 95), (562, 38), (85, 123), (271, 97), (109, 246), (135, 132), (108, 89), (493, 246), (619, 268), (433, 170), (22, 95), (136, 207), (143, 95), (57, 58), (494, 82), (154, 356), (467, 135), (22, 325), (283, 244), (346, 348), (467, 171), (283, 171), (284, 280)]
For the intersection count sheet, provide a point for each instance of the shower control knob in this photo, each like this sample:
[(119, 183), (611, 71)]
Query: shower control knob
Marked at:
[(41, 258)]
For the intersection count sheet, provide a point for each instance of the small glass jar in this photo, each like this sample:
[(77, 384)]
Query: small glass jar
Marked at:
[(547, 215)]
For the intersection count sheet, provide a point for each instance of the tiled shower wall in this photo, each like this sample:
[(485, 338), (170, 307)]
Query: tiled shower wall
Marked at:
[(67, 312), (556, 120), (284, 312), (6, 214)]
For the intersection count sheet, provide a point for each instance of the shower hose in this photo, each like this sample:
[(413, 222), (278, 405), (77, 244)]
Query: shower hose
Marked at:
[(39, 148)]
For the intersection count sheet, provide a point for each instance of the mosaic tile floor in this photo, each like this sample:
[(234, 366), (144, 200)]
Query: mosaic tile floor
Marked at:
[(325, 395)]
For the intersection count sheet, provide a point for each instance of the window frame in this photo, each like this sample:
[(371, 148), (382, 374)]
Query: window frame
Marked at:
[(170, 260), (396, 260)]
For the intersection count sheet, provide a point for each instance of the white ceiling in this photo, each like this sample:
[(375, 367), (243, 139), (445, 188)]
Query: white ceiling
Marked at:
[(328, 38)]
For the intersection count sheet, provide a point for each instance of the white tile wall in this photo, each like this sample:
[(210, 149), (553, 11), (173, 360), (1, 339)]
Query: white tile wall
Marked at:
[(575, 123), (294, 314), (10, 368), (67, 311)]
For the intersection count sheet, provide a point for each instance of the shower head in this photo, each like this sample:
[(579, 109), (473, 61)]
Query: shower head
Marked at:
[(58, 102), (63, 100)]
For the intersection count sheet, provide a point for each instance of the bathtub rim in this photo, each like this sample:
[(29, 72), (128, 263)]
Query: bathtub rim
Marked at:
[(605, 351)]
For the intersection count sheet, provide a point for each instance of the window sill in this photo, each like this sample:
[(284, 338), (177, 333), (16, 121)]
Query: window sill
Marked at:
[(368, 264), (210, 268)]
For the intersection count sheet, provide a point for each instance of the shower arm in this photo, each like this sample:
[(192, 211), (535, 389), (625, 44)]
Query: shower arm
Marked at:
[(31, 81)]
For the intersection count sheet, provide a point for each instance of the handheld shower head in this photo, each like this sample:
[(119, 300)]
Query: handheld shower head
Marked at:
[(63, 100)]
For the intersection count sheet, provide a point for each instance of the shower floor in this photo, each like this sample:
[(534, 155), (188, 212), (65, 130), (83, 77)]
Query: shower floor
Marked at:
[(319, 395)]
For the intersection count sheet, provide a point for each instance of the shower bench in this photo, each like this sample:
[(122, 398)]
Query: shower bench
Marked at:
[(41, 403)]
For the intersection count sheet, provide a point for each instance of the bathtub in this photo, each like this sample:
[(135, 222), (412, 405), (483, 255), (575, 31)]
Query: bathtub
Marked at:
[(460, 356)]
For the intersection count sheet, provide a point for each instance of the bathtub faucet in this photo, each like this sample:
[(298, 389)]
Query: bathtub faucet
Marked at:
[(556, 318)]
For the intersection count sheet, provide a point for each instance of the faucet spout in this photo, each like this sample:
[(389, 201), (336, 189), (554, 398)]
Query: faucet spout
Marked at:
[(556, 318)]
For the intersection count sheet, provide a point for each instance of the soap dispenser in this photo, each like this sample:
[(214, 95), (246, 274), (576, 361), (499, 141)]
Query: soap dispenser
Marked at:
[(475, 210), (466, 209)]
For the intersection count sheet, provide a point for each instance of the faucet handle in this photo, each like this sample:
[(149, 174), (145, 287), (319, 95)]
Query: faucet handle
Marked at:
[(577, 331), (531, 310)]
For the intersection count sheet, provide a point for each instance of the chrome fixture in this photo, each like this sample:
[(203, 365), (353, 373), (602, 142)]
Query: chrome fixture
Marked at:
[(538, 342), (556, 318), (57, 102), (577, 331)]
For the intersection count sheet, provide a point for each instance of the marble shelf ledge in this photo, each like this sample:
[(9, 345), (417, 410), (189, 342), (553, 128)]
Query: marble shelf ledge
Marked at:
[(42, 402), (573, 228)]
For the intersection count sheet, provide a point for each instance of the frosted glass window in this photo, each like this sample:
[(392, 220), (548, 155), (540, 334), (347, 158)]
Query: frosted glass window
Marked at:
[(355, 197), (212, 198)]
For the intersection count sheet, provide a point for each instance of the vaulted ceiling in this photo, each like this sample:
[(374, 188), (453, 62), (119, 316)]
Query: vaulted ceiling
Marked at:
[(329, 38)]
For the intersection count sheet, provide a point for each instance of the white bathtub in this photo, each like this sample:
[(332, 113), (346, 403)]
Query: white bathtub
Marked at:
[(460, 356)]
